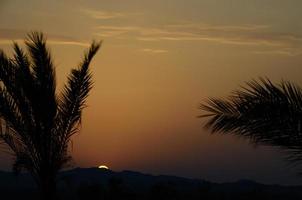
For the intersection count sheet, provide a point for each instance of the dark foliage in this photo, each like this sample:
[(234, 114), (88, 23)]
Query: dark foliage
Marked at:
[(264, 112), (36, 123)]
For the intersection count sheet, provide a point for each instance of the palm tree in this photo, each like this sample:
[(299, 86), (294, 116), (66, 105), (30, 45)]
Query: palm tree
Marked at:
[(36, 124), (263, 112)]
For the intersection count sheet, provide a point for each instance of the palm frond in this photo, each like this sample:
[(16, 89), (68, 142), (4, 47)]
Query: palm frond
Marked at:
[(74, 95), (263, 112), (44, 87)]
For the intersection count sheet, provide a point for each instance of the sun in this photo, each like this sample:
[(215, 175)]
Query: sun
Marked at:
[(103, 167)]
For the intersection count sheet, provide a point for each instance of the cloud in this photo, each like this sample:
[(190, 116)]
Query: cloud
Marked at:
[(253, 35), (18, 35), (240, 35), (111, 31), (104, 15), (156, 51), (285, 52), (74, 43)]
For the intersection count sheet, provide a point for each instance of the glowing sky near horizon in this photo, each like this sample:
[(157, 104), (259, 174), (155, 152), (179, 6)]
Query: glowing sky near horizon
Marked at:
[(159, 60)]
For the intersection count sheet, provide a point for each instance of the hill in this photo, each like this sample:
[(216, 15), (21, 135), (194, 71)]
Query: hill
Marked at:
[(94, 183)]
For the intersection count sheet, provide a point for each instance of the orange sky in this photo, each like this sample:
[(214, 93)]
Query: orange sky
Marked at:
[(159, 60)]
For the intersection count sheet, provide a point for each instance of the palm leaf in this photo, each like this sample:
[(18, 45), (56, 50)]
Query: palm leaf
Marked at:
[(263, 112), (44, 86), (73, 97)]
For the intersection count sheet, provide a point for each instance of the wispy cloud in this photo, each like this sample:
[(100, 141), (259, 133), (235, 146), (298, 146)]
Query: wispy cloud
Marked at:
[(75, 43), (260, 35), (156, 51), (285, 52), (17, 35), (111, 31), (104, 14)]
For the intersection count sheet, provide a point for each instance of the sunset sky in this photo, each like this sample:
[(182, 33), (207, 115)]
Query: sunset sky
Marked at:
[(159, 60)]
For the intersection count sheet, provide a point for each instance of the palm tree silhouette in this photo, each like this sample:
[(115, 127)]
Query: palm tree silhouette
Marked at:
[(263, 112), (36, 124)]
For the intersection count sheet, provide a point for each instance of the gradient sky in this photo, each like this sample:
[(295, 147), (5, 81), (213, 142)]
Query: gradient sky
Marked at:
[(159, 60)]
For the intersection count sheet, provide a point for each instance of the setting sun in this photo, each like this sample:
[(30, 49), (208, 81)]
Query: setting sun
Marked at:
[(103, 167)]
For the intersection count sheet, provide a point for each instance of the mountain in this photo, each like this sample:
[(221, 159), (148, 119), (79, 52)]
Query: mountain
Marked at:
[(94, 183)]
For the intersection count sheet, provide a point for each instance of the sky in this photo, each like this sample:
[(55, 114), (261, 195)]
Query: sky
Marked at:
[(159, 60)]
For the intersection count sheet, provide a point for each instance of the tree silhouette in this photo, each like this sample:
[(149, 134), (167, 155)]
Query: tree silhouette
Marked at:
[(36, 124), (264, 112)]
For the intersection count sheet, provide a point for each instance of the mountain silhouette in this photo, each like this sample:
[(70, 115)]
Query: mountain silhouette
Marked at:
[(79, 183)]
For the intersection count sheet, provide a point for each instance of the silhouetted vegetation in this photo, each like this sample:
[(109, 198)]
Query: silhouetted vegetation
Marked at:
[(36, 123), (263, 112)]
